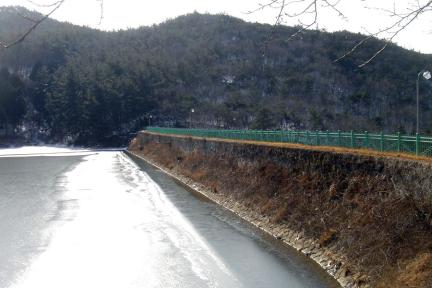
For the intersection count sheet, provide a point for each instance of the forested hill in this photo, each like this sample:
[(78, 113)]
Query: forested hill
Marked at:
[(66, 81)]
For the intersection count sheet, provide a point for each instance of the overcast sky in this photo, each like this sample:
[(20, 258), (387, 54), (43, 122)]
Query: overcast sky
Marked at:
[(361, 15)]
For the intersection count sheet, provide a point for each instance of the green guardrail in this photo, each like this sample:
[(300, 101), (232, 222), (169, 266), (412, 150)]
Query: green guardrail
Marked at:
[(418, 145)]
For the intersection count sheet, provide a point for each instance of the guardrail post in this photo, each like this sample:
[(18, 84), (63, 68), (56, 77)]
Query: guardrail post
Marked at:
[(382, 141), (317, 138), (307, 137), (352, 139), (399, 142), (417, 144), (290, 136), (339, 138), (327, 138)]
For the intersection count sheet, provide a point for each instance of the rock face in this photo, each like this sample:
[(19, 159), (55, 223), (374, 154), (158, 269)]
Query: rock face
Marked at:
[(366, 220)]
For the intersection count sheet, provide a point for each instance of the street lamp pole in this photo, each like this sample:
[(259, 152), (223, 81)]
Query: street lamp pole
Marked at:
[(427, 75), (190, 118), (418, 88)]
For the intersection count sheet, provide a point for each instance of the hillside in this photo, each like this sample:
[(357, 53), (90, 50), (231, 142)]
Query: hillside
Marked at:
[(87, 85)]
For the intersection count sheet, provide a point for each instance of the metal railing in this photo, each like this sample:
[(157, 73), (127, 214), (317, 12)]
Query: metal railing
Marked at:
[(418, 145)]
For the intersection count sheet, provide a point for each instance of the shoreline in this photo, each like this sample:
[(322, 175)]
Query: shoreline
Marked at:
[(328, 260)]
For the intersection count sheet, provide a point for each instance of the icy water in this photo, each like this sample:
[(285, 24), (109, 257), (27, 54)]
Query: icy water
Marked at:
[(72, 218)]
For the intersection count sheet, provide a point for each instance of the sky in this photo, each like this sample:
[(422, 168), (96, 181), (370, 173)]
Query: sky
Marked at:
[(365, 16)]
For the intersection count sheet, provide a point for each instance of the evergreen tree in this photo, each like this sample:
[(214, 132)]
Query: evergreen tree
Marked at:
[(12, 105), (264, 120)]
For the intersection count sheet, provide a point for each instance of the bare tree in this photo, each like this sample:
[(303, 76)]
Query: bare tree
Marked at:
[(307, 13), (53, 7), (35, 22)]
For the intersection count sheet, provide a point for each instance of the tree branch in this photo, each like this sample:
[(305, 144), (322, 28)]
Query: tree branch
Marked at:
[(300, 9), (36, 23)]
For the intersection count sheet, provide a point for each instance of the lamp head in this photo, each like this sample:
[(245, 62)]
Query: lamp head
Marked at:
[(427, 75)]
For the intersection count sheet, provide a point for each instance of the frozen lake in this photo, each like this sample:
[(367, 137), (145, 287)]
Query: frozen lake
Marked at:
[(80, 218)]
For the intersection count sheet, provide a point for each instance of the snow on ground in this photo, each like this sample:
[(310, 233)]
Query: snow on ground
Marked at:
[(27, 151)]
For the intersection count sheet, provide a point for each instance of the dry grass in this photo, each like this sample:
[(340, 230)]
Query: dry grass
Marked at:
[(341, 150), (356, 212), (327, 237), (197, 175), (267, 206), (413, 274), (280, 214)]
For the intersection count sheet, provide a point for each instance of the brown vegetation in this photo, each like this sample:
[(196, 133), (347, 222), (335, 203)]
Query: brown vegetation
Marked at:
[(349, 203), (333, 149)]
